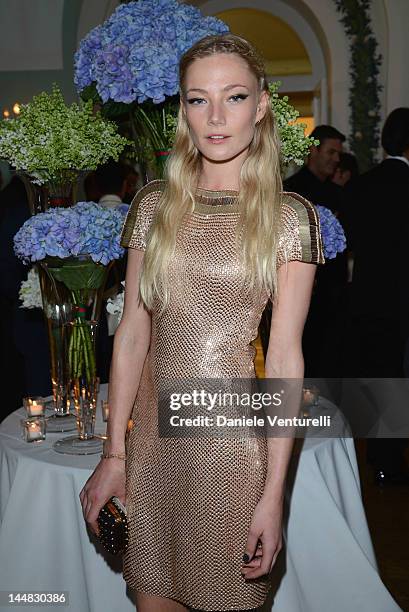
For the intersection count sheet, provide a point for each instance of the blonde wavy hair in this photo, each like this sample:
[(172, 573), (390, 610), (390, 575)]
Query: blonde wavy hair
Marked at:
[(260, 189)]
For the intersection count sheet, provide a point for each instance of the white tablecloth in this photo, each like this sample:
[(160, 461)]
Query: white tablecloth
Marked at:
[(327, 563)]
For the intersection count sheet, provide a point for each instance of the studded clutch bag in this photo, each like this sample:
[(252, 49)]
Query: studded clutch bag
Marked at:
[(113, 526)]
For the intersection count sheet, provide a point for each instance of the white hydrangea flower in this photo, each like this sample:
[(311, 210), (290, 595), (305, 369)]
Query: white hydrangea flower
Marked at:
[(115, 308), (30, 291)]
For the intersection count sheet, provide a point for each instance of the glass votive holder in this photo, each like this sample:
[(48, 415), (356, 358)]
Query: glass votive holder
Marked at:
[(34, 406), (311, 396), (310, 399), (33, 429), (105, 410), (85, 414)]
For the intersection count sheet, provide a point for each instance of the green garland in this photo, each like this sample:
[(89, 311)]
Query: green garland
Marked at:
[(364, 99)]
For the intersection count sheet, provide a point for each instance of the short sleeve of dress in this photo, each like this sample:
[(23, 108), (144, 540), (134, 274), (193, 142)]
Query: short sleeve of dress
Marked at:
[(300, 238), (140, 216)]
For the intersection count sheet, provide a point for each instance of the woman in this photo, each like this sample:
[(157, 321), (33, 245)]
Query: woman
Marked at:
[(206, 250)]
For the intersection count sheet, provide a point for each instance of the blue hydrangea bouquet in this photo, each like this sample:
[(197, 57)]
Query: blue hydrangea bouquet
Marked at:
[(129, 64), (84, 230), (134, 55), (74, 248), (333, 236)]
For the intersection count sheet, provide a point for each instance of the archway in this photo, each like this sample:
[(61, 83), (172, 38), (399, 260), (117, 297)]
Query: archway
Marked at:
[(308, 19), (286, 58)]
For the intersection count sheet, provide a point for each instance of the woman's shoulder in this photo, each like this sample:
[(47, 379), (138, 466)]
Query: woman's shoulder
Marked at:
[(300, 229), (295, 204), (140, 214), (150, 191)]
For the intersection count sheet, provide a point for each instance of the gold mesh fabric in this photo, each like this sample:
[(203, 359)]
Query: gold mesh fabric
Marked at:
[(190, 501)]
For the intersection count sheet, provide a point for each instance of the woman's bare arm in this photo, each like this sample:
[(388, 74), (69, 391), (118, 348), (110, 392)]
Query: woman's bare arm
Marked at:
[(131, 345), (284, 361), (284, 358)]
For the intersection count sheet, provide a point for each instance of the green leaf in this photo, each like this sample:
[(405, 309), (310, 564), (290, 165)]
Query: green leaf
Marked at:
[(79, 275), (90, 93)]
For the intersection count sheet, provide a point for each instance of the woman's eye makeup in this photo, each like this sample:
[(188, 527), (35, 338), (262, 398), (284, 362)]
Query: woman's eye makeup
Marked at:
[(234, 98), (195, 100), (238, 97)]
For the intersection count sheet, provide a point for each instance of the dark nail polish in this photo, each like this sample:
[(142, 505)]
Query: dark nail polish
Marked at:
[(246, 558)]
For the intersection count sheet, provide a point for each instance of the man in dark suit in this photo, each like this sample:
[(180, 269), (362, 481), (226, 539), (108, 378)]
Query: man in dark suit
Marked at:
[(24, 356), (313, 181), (111, 184), (324, 326), (378, 235)]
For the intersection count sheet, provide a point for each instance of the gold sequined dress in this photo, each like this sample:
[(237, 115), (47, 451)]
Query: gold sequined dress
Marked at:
[(190, 501)]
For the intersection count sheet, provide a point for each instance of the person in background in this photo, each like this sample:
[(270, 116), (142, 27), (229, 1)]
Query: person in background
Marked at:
[(378, 322), (347, 169), (91, 188), (5, 174), (24, 353), (132, 184), (111, 181), (322, 339), (314, 180)]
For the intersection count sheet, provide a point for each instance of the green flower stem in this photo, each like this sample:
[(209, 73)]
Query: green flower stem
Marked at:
[(81, 347), (72, 354), (149, 124)]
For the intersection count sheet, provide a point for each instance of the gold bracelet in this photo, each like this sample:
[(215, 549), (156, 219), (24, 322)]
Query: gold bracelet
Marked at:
[(114, 456)]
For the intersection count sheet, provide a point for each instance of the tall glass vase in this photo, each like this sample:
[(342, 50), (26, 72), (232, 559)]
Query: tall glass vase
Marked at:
[(72, 294), (58, 310), (152, 127), (161, 157), (80, 358), (56, 193), (59, 194)]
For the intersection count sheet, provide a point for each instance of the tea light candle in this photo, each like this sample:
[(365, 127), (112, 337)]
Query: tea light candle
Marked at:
[(34, 406), (310, 397), (34, 432), (105, 410), (33, 429)]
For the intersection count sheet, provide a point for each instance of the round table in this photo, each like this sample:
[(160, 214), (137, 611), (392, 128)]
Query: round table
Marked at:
[(327, 560)]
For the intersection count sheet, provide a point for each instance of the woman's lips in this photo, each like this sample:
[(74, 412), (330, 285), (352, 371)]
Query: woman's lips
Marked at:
[(217, 139)]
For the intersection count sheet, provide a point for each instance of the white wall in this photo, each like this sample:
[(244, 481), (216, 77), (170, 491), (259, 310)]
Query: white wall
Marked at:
[(93, 13), (333, 39), (30, 35), (397, 54)]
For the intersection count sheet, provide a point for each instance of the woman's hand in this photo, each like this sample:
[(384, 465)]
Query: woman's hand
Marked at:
[(107, 480), (264, 540)]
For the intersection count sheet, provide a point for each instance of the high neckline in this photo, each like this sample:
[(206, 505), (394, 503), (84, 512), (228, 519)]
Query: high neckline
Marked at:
[(212, 201), (217, 193)]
